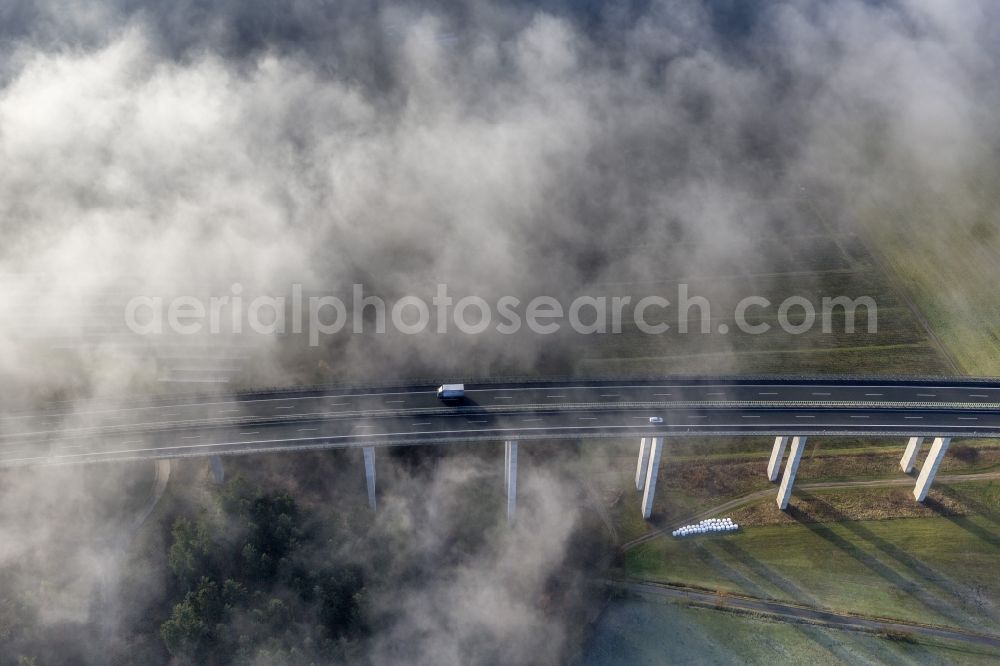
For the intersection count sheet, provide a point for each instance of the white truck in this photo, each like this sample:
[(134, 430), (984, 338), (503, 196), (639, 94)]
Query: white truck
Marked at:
[(451, 391)]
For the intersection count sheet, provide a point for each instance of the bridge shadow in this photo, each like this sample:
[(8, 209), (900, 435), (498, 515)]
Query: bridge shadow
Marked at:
[(988, 513), (865, 648), (747, 584), (924, 571), (984, 600), (962, 522), (914, 587)]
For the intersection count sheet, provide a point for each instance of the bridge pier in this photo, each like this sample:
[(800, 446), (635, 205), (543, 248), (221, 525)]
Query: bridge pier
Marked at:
[(930, 467), (910, 454), (506, 465), (791, 468), (510, 477), (218, 474), (777, 455), (652, 469), (640, 469), (369, 453)]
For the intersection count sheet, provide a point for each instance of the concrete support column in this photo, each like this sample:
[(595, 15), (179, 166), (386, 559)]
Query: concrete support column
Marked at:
[(930, 468), (652, 469), (506, 465), (369, 452), (218, 474), (791, 468), (510, 478), (777, 454), (910, 454), (640, 468)]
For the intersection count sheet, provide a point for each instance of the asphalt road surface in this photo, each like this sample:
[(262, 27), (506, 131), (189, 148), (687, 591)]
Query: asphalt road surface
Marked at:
[(310, 418)]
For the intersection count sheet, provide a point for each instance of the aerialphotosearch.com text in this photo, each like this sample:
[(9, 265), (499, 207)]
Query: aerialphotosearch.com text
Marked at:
[(363, 313)]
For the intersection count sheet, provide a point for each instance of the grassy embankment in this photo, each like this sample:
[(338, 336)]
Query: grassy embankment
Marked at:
[(938, 569)]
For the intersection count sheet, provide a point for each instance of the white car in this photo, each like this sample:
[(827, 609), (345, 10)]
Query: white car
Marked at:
[(656, 419), (451, 391)]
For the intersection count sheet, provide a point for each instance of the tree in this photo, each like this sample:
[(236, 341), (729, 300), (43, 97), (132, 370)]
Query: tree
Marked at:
[(193, 630), (190, 552), (292, 609)]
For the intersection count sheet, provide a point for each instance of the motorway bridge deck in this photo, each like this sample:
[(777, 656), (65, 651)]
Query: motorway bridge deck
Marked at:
[(331, 417)]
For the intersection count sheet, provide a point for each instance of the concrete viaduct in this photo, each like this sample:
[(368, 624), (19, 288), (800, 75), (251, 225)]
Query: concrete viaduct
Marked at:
[(651, 410)]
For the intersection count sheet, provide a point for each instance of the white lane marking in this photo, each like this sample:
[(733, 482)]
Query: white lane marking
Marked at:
[(610, 395), (424, 423), (468, 421), (913, 417), (255, 432), (968, 418), (818, 393), (978, 395), (529, 420), (874, 395), (257, 444), (716, 393), (503, 397), (555, 396), (290, 407), (485, 390), (859, 417), (697, 417), (338, 404), (364, 426), (661, 395), (799, 416), (746, 416), (281, 399), (587, 418), (191, 437), (488, 390), (912, 387), (767, 393), (308, 429), (388, 402), (927, 395)]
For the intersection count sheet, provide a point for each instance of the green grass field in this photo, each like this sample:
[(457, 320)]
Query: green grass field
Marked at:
[(640, 631), (939, 570), (823, 263), (949, 270)]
